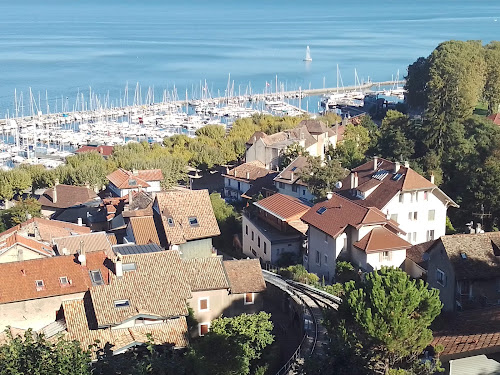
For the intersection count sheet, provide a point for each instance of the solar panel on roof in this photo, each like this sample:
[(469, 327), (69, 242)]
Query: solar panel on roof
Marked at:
[(380, 175), (397, 176), (321, 210)]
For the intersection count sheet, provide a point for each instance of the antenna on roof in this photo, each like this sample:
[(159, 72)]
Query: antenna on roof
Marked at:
[(481, 214)]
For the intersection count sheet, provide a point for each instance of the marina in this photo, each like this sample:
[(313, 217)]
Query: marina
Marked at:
[(48, 138)]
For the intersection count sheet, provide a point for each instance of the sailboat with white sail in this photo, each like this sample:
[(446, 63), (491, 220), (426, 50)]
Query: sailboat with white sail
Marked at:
[(308, 55)]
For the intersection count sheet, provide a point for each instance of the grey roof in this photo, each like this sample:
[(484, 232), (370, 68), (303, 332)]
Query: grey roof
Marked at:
[(136, 249)]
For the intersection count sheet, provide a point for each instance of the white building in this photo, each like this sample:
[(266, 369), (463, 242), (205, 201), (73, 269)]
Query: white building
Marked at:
[(121, 181), (274, 228), (289, 181), (339, 227), (415, 203), (312, 135)]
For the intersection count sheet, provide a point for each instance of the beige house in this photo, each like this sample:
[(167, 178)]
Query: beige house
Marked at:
[(312, 135), (121, 181), (32, 291), (464, 267), (223, 289), (88, 243), (248, 179), (17, 248)]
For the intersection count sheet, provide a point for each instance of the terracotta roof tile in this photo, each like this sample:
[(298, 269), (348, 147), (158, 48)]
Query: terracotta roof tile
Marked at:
[(18, 279), (495, 117), (283, 206), (144, 230), (339, 212), (294, 169), (29, 243), (206, 273), (182, 205), (112, 238), (90, 243), (45, 230), (78, 313), (103, 150), (248, 171), (388, 187), (381, 239), (124, 179), (469, 333), (67, 196), (156, 287), (245, 276), (314, 126), (255, 136)]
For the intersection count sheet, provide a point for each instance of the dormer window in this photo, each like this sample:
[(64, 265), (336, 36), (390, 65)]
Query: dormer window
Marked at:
[(170, 222), (132, 182), (96, 277), (63, 280), (122, 303), (193, 221), (39, 285)]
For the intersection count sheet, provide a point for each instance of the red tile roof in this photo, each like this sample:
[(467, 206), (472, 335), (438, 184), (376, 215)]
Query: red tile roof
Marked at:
[(292, 173), (248, 172), (67, 196), (283, 206), (103, 150), (381, 239), (26, 242), (469, 333), (495, 117), (340, 212), (18, 279), (124, 179), (144, 230), (388, 186), (45, 230)]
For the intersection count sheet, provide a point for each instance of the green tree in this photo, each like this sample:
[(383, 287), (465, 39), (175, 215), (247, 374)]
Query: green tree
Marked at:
[(382, 325), (290, 153), (21, 211), (416, 83), (351, 151), (228, 220), (33, 354), (457, 73), (321, 177), (211, 131), (19, 180), (492, 85)]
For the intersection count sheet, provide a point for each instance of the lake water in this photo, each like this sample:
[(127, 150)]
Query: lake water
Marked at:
[(65, 46)]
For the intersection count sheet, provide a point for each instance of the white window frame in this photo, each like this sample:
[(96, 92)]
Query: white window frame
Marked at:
[(433, 215), (401, 198), (203, 324), (318, 258), (39, 286), (440, 272), (62, 278), (245, 299), (414, 237), (199, 304)]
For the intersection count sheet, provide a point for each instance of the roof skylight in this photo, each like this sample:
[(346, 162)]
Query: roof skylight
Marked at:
[(321, 210)]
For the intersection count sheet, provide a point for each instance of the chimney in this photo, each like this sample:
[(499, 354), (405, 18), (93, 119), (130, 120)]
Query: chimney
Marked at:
[(235, 173), (248, 175), (80, 222), (119, 266), (387, 215), (291, 176), (375, 163), (139, 188), (478, 228), (81, 257), (87, 184), (432, 177), (354, 180), (227, 170), (130, 197), (407, 164), (135, 172), (54, 194), (329, 195), (396, 167), (65, 251)]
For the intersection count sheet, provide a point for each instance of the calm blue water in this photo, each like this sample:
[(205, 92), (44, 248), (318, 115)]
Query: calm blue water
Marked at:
[(63, 46)]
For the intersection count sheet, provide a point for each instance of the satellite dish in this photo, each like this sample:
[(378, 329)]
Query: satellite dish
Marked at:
[(425, 257), (338, 185)]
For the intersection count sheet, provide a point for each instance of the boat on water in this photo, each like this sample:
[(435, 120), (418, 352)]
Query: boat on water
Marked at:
[(308, 55)]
